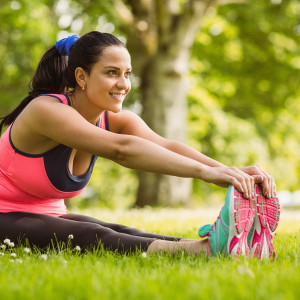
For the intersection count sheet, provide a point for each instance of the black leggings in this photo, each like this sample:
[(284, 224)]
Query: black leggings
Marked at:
[(87, 232)]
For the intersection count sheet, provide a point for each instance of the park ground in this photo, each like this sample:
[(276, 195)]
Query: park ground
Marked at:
[(67, 274)]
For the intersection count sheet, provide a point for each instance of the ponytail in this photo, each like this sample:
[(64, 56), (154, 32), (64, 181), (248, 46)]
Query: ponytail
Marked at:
[(48, 78), (56, 70)]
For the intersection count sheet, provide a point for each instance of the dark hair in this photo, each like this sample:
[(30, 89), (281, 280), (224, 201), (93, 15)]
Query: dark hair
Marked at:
[(55, 72)]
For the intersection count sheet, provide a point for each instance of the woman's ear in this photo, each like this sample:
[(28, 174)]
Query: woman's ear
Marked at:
[(81, 77)]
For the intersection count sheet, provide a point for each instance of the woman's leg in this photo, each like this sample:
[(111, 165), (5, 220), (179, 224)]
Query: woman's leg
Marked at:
[(119, 228), (41, 230), (194, 247), (164, 243)]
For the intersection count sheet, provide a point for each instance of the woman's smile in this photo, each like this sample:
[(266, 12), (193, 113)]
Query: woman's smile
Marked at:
[(118, 96), (110, 76)]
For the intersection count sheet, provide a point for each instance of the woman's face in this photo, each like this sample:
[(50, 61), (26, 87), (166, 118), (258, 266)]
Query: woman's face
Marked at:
[(109, 80)]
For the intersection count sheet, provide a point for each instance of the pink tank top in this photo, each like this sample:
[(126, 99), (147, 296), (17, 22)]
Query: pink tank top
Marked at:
[(39, 183)]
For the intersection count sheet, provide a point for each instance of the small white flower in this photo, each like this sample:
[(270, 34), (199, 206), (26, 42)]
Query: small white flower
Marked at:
[(44, 256), (3, 246), (13, 255), (144, 254), (77, 248), (19, 261), (27, 250), (7, 241), (71, 237), (11, 260), (12, 244), (1, 253)]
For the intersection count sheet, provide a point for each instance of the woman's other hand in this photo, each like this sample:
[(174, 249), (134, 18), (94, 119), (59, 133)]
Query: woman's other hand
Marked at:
[(262, 177), (224, 176)]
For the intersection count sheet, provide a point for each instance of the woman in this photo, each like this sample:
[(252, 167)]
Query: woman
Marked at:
[(49, 149)]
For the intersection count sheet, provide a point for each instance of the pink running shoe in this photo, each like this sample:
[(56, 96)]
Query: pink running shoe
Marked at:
[(228, 235), (266, 220), (243, 215)]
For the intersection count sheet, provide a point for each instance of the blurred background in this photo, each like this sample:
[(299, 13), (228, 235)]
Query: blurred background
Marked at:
[(222, 76)]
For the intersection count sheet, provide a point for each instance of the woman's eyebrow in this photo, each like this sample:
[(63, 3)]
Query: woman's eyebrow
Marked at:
[(112, 67)]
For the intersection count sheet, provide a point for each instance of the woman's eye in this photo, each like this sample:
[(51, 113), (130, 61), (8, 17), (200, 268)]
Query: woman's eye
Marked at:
[(112, 72)]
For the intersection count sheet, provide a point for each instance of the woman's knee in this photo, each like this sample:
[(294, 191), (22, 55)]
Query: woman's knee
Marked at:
[(91, 234)]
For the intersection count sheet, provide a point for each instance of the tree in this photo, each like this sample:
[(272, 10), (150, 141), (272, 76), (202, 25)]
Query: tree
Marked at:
[(159, 36), (247, 57), (245, 62), (27, 29)]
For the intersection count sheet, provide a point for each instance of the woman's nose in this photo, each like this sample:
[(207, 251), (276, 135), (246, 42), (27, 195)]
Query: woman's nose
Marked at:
[(123, 83)]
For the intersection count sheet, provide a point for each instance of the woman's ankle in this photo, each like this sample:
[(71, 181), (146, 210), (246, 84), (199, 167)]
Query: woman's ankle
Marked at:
[(193, 247)]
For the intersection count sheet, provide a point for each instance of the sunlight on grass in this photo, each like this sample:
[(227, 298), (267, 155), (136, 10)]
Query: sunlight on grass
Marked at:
[(179, 221), (69, 274)]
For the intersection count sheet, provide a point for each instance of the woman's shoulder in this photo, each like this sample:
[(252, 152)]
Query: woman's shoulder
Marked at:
[(123, 119), (63, 98), (46, 109), (123, 115), (52, 98), (46, 101)]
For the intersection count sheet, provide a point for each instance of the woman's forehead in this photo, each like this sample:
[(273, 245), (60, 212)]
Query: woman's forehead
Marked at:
[(115, 55)]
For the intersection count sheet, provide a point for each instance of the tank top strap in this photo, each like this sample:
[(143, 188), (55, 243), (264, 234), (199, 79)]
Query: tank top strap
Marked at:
[(103, 121), (63, 98)]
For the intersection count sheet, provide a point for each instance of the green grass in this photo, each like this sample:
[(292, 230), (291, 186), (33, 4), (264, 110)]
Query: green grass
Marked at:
[(106, 275)]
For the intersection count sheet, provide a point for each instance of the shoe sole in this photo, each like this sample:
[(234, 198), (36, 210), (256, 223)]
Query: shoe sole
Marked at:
[(241, 217), (266, 221)]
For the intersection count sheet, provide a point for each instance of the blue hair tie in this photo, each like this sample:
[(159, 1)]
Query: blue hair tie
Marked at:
[(64, 45)]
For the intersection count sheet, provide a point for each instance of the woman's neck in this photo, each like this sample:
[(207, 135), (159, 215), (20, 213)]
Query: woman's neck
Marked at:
[(80, 103)]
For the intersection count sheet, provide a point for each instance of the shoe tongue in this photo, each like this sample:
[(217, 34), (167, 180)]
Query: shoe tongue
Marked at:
[(204, 230)]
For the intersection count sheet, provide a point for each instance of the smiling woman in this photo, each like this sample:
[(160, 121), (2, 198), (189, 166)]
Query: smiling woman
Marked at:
[(108, 82), (72, 114)]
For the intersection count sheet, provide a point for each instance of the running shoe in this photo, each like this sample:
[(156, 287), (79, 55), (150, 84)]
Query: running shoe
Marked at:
[(267, 214), (228, 235)]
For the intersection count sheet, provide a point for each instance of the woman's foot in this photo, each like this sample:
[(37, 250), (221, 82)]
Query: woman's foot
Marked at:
[(228, 235), (266, 220), (191, 247)]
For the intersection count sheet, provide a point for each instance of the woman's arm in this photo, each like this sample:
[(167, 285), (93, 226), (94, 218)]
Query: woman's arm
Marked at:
[(65, 125), (127, 122), (259, 175)]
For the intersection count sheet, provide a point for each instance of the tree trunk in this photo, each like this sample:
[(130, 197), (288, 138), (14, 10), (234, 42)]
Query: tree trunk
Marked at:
[(160, 35), (164, 89)]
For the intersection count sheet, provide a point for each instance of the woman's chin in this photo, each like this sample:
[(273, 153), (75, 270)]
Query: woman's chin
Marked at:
[(116, 109)]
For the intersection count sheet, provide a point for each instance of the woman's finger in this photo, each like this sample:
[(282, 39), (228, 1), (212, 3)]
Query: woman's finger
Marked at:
[(265, 181), (272, 186), (245, 180), (258, 178), (250, 183), (268, 184), (236, 183)]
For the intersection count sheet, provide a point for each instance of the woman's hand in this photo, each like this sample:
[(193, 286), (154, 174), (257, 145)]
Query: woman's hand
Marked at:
[(224, 176), (265, 179)]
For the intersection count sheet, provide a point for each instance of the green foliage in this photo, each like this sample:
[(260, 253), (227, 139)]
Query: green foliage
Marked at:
[(28, 29), (244, 98), (244, 108), (111, 186)]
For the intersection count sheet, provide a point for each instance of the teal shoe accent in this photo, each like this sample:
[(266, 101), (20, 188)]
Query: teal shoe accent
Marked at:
[(218, 232), (228, 235), (204, 230), (250, 235)]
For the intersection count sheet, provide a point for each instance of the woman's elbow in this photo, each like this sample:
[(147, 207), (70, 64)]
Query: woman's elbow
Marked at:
[(121, 150)]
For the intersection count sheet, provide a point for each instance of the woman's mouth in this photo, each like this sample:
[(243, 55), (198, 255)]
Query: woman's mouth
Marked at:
[(119, 97)]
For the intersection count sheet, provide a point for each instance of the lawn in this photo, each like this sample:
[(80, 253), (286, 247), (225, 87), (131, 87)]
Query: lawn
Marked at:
[(105, 275)]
